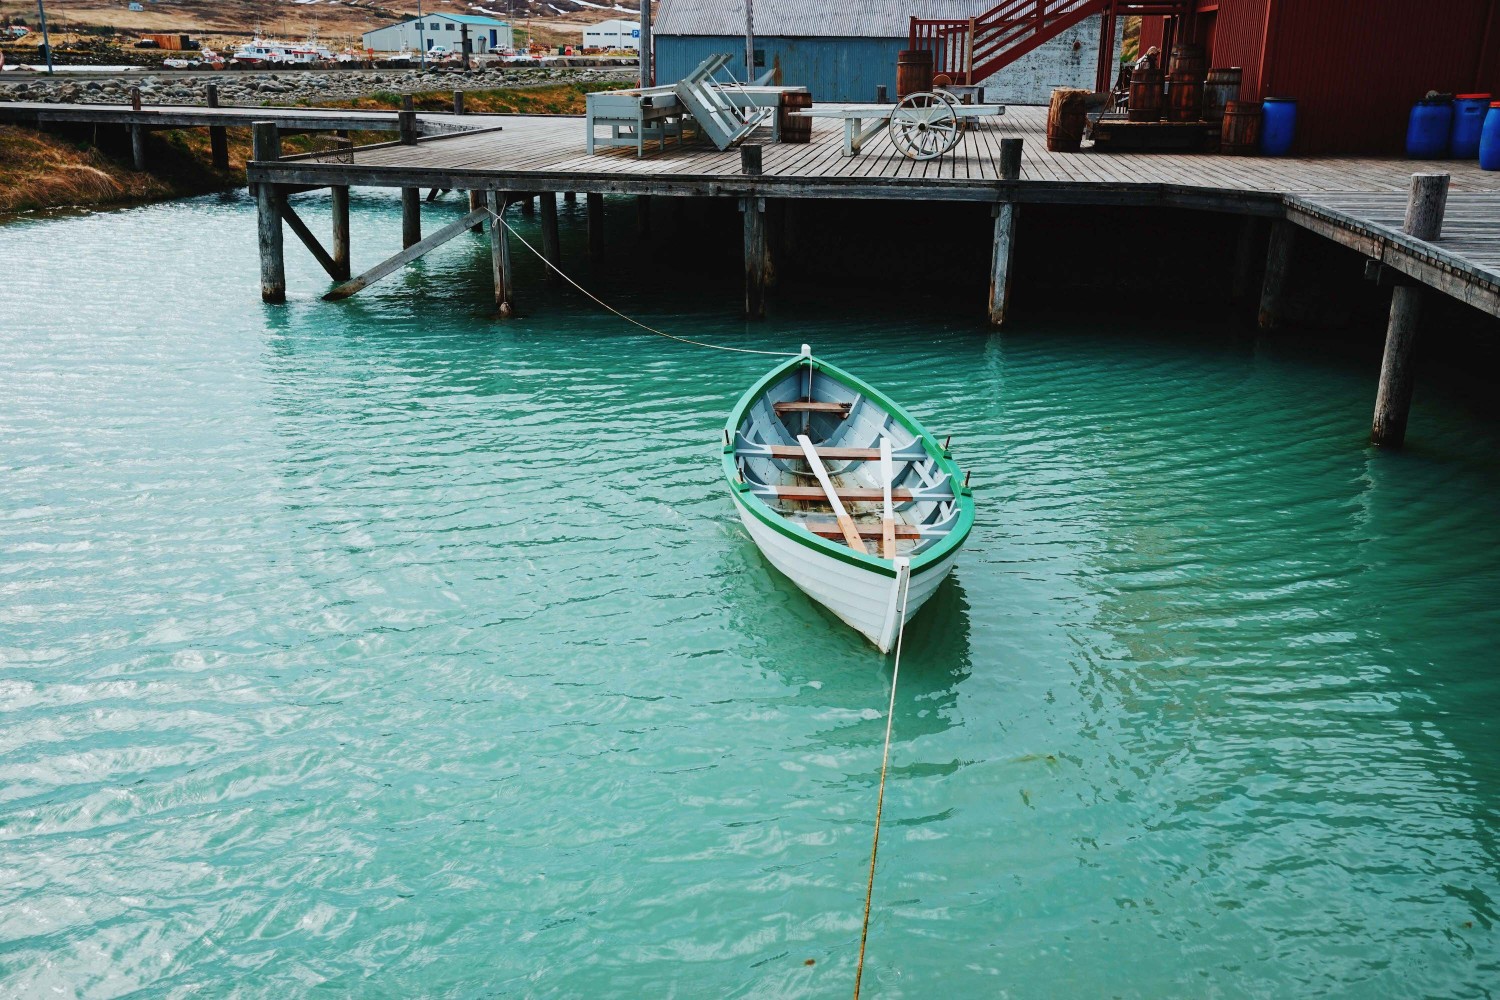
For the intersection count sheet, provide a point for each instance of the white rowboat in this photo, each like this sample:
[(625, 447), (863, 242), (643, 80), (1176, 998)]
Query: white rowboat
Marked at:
[(845, 493)]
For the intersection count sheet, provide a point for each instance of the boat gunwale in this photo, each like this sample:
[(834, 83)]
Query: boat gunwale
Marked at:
[(742, 494)]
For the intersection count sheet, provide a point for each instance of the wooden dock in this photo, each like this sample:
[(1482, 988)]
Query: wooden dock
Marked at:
[(1001, 165)]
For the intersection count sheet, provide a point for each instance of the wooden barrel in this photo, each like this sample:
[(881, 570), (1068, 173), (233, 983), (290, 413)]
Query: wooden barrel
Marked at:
[(1184, 97), (1145, 95), (1241, 128), (1219, 88), (1189, 60), (1066, 119), (913, 72), (794, 128)]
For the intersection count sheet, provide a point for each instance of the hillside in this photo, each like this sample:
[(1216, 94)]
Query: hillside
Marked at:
[(336, 22)]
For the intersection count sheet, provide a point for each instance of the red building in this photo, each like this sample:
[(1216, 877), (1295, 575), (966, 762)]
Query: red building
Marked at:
[(1354, 66)]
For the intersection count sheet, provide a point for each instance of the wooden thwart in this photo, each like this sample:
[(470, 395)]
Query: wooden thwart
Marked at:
[(408, 255), (856, 494), (833, 454), (831, 529), (811, 406)]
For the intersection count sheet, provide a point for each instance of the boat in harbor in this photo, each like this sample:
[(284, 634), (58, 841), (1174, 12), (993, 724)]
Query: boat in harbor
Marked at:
[(261, 52), (845, 493)]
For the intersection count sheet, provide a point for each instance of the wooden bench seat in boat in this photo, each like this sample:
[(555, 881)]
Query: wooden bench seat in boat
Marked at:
[(836, 454), (831, 529), (856, 494), (812, 406)]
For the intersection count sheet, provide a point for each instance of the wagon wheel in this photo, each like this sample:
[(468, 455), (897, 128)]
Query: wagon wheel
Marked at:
[(924, 126)]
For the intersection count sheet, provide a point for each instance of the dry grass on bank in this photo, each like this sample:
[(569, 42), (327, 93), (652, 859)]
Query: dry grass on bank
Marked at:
[(548, 99)]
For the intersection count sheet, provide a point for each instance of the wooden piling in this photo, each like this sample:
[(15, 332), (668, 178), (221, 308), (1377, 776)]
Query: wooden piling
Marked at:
[(218, 135), (1278, 267), (596, 225), (267, 146), (500, 258), (551, 248), (341, 232), (754, 210), (138, 146), (1242, 272), (1003, 247), (570, 197), (476, 200), (458, 102), (643, 214), (1424, 220), (406, 122), (528, 204), (411, 217)]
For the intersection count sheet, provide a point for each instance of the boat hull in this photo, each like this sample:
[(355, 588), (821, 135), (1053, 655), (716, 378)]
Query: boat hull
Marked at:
[(859, 596)]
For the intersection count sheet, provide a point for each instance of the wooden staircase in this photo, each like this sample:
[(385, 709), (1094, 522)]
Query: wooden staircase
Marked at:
[(971, 50)]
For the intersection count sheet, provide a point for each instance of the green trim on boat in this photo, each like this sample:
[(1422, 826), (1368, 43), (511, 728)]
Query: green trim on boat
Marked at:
[(763, 513)]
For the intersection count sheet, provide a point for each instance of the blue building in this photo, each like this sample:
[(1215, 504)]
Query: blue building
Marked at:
[(841, 50)]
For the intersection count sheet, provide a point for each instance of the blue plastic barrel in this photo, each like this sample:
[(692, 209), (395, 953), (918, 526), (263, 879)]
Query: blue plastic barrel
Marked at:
[(1428, 127), (1489, 140), (1278, 125), (1468, 121)]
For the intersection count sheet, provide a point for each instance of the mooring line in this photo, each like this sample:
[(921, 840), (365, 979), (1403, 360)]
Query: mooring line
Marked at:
[(649, 329), (885, 761)]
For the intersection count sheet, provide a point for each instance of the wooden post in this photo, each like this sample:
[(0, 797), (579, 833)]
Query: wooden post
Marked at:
[(408, 102), (135, 98), (411, 217), (550, 246), (570, 197), (1004, 245), (1244, 260), (754, 210), (267, 146), (476, 200), (407, 123), (341, 232), (596, 225), (1278, 266), (643, 214), (500, 258), (458, 102), (1424, 220), (528, 204), (138, 146), (218, 135)]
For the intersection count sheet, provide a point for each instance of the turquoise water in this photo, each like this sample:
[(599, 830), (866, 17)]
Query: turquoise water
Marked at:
[(378, 648)]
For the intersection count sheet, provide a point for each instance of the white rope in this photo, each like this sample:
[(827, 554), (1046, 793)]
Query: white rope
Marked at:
[(885, 761), (649, 329)]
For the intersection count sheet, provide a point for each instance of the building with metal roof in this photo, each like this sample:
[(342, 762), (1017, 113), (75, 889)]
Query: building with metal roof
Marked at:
[(842, 50), (445, 31)]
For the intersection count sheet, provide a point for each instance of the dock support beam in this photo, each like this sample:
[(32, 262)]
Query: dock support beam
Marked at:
[(500, 257), (1278, 267), (267, 146), (1424, 220), (218, 135), (1243, 272), (550, 246), (138, 146), (756, 255), (643, 214), (341, 232), (596, 225), (1004, 246), (411, 217), (476, 200)]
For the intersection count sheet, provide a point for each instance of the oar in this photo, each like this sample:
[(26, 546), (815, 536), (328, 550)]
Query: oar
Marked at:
[(846, 523), (888, 524)]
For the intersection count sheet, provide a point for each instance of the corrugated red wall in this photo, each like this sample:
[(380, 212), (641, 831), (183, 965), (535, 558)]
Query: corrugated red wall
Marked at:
[(1354, 66)]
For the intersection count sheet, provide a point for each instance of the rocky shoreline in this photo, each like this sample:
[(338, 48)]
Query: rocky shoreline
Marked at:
[(291, 86)]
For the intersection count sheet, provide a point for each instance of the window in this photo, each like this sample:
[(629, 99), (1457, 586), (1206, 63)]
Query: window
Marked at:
[(448, 26), (433, 26)]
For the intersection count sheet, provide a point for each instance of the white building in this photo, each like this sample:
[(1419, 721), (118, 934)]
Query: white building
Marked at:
[(616, 34), (485, 34)]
